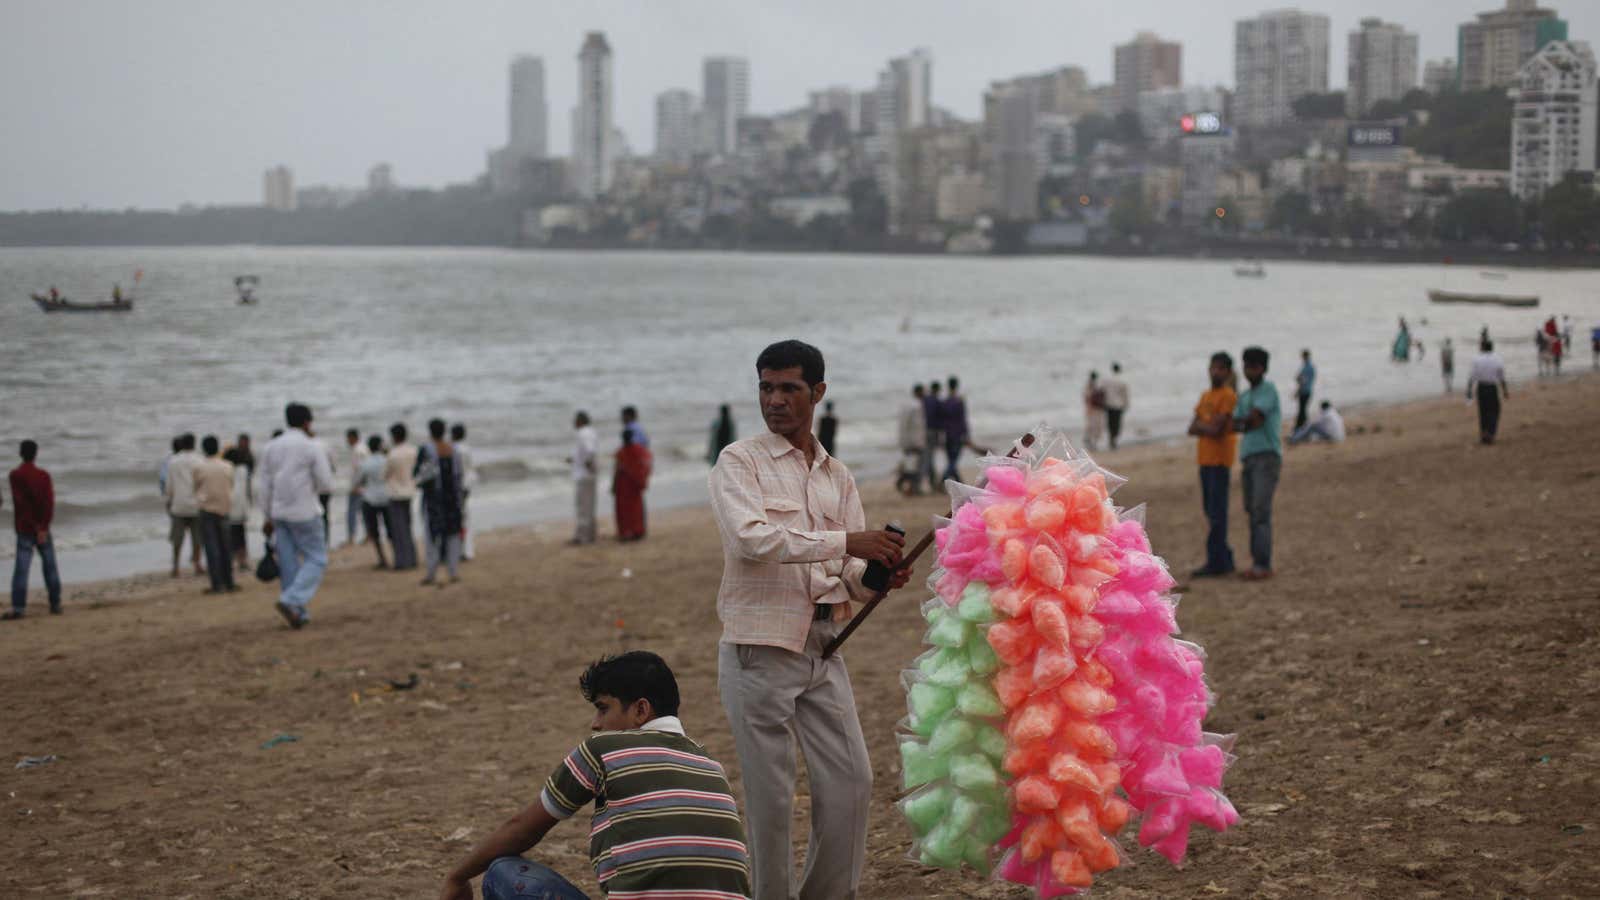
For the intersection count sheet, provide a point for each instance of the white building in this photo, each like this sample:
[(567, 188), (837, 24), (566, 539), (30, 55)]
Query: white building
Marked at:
[(677, 126), (380, 179), (1553, 122), (1439, 75), (1278, 57), (1382, 65), (527, 112), (277, 189), (592, 150), (1055, 144), (842, 100), (726, 89), (1161, 112), (905, 93)]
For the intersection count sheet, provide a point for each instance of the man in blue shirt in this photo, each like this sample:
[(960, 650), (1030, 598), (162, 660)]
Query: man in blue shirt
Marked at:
[(1259, 419), (1304, 382), (933, 421)]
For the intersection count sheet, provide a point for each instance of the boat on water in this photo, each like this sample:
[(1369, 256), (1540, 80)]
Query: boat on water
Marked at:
[(1250, 270), (1438, 296), (62, 304), (246, 286)]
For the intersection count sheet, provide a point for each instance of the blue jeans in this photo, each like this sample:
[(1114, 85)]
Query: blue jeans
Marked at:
[(1214, 499), (352, 516), (952, 454), (516, 878), (302, 555), (26, 544), (1259, 480)]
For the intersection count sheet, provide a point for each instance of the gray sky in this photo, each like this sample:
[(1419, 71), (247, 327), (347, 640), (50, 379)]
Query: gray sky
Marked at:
[(114, 103)]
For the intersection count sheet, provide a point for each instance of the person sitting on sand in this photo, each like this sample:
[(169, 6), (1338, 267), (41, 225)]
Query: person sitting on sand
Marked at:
[(665, 822), (1328, 426)]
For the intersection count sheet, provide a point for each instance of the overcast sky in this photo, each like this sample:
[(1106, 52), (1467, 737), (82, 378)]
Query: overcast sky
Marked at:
[(154, 103)]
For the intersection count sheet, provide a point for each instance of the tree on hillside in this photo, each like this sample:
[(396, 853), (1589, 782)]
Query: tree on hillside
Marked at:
[(1291, 213), (1311, 107), (1570, 213), (869, 210), (1471, 130), (1128, 213), (1415, 99), (1479, 214)]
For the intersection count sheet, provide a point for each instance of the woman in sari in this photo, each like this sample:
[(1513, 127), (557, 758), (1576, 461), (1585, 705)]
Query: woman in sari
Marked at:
[(628, 483)]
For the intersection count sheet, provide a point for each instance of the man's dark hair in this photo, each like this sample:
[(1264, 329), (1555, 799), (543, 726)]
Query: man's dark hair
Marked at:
[(934, 386), (458, 432), (29, 451), (1225, 359), (1326, 404), (629, 413), (374, 443), (243, 439), (917, 390), (791, 355), (1116, 367), (1487, 346), (298, 415), (188, 440), (635, 674), (436, 428), (955, 383), (209, 445), (1254, 356), (352, 433), (177, 443), (397, 431)]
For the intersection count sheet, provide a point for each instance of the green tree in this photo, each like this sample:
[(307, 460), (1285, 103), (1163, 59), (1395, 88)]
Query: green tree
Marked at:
[(1360, 221), (1129, 216), (1311, 107), (1570, 213), (869, 210), (1472, 130), (1292, 213), (1479, 214)]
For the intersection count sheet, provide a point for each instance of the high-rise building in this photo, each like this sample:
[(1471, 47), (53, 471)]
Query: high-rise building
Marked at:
[(528, 114), (905, 93), (842, 100), (1205, 158), (1278, 57), (1009, 111), (380, 179), (1439, 75), (1382, 65), (726, 90), (277, 189), (1492, 50), (677, 130), (592, 149), (1146, 63), (1553, 122)]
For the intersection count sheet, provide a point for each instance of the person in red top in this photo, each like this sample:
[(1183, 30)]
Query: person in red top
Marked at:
[(33, 500)]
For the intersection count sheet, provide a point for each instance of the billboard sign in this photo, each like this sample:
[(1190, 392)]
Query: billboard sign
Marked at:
[(1201, 123), (1374, 136)]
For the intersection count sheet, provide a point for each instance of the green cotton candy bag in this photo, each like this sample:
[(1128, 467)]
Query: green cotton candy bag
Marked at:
[(953, 734), (919, 767), (973, 772), (991, 743), (978, 699), (981, 658), (930, 703), (964, 812), (975, 853), (947, 667), (926, 807), (942, 847), (947, 631), (974, 605)]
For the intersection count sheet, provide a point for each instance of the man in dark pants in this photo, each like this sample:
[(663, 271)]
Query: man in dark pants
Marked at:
[(1304, 384), (1489, 379), (33, 499), (1213, 425), (933, 421), (213, 490), (1259, 418)]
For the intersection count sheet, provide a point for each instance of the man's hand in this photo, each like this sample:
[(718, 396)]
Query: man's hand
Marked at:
[(266, 528), (899, 578), (875, 546), (455, 890)]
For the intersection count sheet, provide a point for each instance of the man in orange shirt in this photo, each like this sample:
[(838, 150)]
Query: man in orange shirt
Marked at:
[(1218, 444)]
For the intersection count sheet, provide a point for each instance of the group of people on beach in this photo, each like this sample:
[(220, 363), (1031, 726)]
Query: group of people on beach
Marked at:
[(927, 424), (632, 467)]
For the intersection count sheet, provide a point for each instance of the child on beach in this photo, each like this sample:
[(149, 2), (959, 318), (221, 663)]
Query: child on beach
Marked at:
[(665, 823)]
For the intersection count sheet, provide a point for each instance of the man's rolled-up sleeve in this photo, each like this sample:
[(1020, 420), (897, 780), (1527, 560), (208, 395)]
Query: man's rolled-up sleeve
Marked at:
[(741, 514)]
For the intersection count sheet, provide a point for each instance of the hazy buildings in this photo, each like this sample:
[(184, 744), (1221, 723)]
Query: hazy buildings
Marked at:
[(528, 113), (1553, 122), (277, 189), (1161, 112), (1011, 161), (842, 100), (905, 93), (1439, 75), (592, 140), (1145, 63), (1206, 157), (380, 179), (677, 126), (1382, 65), (1494, 48), (726, 89), (1278, 57)]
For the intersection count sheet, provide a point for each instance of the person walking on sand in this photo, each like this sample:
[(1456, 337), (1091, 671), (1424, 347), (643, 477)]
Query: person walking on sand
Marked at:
[(354, 456), (181, 504), (1447, 365), (794, 548), (33, 507), (828, 427), (933, 421), (585, 445), (441, 496), (1116, 394), (469, 482), (912, 432), (400, 485), (1259, 418), (629, 480), (723, 433), (1488, 381), (953, 420), (1305, 382), (294, 470), (1094, 412), (374, 496), (1215, 451), (213, 489), (244, 471)]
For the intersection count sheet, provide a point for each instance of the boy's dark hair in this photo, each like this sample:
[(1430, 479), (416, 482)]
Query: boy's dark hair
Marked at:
[(954, 383), (398, 432), (436, 428), (790, 355), (458, 432), (1221, 357), (352, 433), (188, 441), (934, 386), (29, 451), (298, 415), (635, 674), (209, 445), (629, 412), (1486, 346), (177, 444), (1254, 356), (374, 443)]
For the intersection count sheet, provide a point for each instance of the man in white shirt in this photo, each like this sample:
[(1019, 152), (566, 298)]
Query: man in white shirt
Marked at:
[(400, 483), (1488, 378), (355, 455), (584, 477), (182, 505), (913, 430), (1116, 394), (294, 470), (1327, 426), (469, 480)]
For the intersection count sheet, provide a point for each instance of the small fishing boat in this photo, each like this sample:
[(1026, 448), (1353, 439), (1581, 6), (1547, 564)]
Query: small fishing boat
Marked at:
[(1438, 296), (1250, 270), (246, 286), (62, 304)]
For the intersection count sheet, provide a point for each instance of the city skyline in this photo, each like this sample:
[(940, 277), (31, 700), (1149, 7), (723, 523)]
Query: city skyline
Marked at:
[(183, 109)]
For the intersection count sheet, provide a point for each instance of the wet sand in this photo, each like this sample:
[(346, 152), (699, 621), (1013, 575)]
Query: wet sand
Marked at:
[(1415, 694)]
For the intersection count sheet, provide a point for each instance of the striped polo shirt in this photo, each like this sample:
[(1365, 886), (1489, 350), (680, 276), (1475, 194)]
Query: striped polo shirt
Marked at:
[(665, 825)]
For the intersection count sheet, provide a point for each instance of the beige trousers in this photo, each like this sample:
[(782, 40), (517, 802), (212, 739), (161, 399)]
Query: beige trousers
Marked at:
[(773, 697)]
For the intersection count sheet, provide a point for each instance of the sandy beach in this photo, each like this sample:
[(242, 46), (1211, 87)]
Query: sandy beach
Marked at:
[(1415, 694)]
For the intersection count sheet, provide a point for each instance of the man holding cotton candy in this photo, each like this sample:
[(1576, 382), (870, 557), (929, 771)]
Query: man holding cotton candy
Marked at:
[(795, 547)]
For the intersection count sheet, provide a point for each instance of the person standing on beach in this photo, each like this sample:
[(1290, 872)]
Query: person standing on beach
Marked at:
[(1215, 450), (401, 487), (1094, 412), (953, 421), (912, 432), (295, 470), (630, 478), (441, 496), (1305, 382), (827, 427), (33, 506), (585, 445), (354, 456), (1259, 418), (1447, 365), (1488, 380), (933, 421), (244, 471), (181, 504), (795, 546), (1116, 399), (469, 481), (723, 433), (213, 489), (374, 496), (630, 421), (1401, 352)]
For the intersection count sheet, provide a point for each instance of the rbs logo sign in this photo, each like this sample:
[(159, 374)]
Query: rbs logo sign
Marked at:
[(1201, 123), (1374, 135)]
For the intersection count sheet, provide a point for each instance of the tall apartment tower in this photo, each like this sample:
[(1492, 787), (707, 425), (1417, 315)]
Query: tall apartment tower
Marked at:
[(1382, 65), (528, 115), (277, 189), (1439, 75), (1493, 49), (677, 119), (592, 146), (1146, 63), (905, 93), (726, 89), (1553, 121), (1278, 57)]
